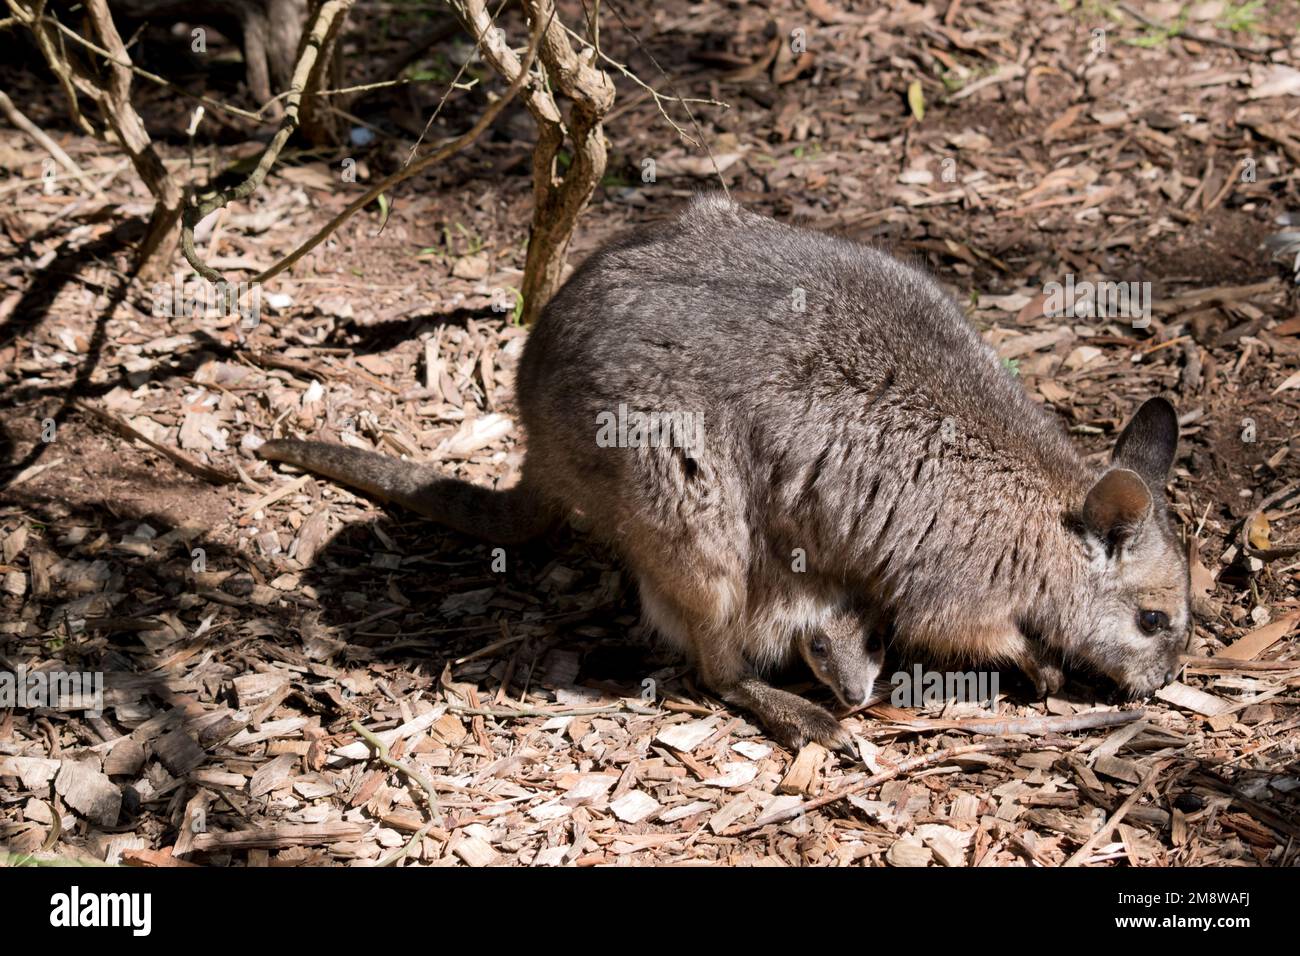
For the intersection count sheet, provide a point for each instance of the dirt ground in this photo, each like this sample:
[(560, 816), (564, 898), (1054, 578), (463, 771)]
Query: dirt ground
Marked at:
[(246, 617)]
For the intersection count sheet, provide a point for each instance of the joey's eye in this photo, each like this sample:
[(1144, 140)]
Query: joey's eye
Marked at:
[(819, 646), (874, 643), (1152, 621)]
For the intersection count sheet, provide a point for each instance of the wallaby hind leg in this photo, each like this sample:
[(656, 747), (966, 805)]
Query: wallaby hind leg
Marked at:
[(792, 720), (789, 718)]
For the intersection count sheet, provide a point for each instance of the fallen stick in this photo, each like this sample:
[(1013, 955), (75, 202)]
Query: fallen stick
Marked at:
[(15, 116), (1062, 724), (1213, 665), (541, 712), (1081, 854), (271, 497), (381, 752), (907, 766), (184, 462), (278, 837), (435, 814)]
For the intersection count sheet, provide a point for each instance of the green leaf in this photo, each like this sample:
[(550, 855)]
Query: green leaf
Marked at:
[(916, 99), (519, 306)]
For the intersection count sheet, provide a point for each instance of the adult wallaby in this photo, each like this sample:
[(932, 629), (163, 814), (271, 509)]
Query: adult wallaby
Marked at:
[(836, 432)]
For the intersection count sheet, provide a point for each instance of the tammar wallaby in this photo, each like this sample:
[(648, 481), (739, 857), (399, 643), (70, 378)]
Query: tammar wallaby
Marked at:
[(815, 424), (846, 654)]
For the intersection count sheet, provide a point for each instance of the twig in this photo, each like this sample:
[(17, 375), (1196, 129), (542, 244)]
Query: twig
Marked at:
[(1214, 665), (405, 851), (184, 462), (1196, 37), (572, 712), (907, 766), (662, 72), (35, 21), (1282, 550), (1061, 724), (312, 49), (437, 156), (15, 116), (276, 494), (658, 97), (151, 77), (381, 753), (455, 84), (113, 96), (1081, 854)]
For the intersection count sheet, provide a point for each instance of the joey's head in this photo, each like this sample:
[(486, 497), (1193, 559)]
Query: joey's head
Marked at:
[(847, 654), (1136, 614)]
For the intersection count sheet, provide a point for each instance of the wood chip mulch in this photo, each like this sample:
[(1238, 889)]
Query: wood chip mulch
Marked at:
[(250, 620)]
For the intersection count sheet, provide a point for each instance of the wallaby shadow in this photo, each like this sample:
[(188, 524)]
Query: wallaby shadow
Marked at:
[(395, 596), (369, 338), (401, 589)]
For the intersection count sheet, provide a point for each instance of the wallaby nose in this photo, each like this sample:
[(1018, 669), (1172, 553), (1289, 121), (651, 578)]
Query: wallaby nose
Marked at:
[(852, 695)]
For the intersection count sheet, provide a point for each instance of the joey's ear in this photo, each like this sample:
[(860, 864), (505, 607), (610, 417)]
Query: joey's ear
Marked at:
[(1148, 443), (1116, 505)]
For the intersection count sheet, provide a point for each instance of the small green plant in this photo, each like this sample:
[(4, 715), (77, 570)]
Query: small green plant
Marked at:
[(1159, 37), (1240, 18), (473, 241), (952, 80), (615, 179), (517, 317), (439, 71), (1012, 366)]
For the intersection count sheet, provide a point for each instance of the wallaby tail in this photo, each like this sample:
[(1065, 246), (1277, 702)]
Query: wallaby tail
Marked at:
[(502, 517)]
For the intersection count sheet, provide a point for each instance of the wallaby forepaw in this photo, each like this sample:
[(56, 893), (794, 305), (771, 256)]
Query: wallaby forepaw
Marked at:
[(813, 725), (1048, 678)]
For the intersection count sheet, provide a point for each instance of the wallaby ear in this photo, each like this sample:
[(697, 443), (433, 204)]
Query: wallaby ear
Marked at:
[(1148, 443), (1116, 505)]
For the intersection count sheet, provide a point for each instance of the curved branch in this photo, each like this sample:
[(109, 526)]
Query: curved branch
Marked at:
[(330, 14), (438, 155)]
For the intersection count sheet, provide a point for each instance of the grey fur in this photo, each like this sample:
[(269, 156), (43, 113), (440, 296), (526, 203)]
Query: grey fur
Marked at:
[(872, 436), (847, 653)]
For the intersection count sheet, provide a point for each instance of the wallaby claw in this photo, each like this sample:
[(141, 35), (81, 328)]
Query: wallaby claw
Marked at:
[(1047, 676), (846, 748), (813, 724)]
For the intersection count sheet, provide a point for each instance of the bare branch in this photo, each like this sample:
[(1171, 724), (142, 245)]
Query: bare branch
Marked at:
[(328, 16), (437, 156), (15, 116)]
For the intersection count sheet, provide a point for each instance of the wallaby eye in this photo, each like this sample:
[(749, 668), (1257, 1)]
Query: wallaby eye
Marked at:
[(1152, 621), (819, 646), (874, 643)]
